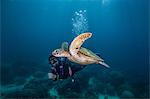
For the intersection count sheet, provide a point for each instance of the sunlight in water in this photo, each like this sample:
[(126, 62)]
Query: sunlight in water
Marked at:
[(104, 2), (79, 22)]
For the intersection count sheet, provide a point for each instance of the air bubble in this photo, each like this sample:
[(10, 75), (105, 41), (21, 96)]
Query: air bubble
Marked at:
[(77, 14), (80, 11), (79, 22), (80, 14)]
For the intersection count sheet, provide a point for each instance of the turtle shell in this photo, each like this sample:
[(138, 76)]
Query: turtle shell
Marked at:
[(89, 53)]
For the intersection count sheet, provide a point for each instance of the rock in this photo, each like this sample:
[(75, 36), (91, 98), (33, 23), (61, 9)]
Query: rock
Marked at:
[(10, 88), (96, 85), (101, 96), (123, 87), (116, 78), (39, 74), (127, 94), (110, 90), (32, 88), (90, 95), (7, 74), (19, 80), (53, 93)]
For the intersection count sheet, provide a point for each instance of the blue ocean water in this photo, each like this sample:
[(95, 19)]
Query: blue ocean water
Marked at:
[(32, 29)]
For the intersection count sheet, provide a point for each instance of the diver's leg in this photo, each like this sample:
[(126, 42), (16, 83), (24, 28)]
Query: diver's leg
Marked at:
[(77, 68)]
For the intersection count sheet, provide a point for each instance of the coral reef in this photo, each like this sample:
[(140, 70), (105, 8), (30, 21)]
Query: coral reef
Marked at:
[(127, 94), (92, 82), (116, 78)]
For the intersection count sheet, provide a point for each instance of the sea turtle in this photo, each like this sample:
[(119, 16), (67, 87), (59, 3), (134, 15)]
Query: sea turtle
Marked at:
[(78, 54)]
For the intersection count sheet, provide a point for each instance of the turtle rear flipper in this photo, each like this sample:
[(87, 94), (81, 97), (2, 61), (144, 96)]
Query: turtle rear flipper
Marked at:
[(104, 64), (89, 53)]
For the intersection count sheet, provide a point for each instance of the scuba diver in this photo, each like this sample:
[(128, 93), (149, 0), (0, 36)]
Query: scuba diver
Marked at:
[(61, 68)]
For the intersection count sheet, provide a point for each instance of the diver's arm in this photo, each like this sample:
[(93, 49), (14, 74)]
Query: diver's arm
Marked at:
[(70, 71), (53, 70)]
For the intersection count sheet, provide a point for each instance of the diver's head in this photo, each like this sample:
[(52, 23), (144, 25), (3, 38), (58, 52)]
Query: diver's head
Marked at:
[(53, 60)]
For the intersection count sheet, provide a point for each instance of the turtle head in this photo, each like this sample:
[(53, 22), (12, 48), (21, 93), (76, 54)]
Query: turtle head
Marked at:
[(57, 53), (60, 53)]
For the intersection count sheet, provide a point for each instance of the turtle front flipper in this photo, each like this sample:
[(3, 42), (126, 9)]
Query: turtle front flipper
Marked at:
[(77, 42), (65, 46)]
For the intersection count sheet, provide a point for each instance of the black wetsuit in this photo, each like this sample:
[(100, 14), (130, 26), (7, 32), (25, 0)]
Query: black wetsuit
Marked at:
[(61, 69)]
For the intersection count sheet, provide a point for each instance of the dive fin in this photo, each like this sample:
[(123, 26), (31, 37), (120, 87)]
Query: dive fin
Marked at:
[(104, 64)]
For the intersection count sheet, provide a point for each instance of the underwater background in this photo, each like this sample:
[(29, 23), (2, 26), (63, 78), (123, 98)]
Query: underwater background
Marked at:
[(32, 29)]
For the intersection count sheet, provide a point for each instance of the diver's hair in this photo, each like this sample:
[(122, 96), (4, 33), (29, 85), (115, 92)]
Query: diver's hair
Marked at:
[(51, 57)]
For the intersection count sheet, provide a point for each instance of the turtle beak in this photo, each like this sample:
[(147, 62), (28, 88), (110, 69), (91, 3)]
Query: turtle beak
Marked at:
[(53, 53)]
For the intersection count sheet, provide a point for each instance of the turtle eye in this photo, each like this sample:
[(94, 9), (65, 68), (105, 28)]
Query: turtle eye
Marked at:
[(56, 52)]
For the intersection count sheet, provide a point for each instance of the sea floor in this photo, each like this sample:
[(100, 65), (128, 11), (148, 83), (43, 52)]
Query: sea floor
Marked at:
[(93, 82)]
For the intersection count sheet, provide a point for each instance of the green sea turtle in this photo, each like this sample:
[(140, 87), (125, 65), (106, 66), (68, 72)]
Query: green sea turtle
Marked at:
[(78, 54)]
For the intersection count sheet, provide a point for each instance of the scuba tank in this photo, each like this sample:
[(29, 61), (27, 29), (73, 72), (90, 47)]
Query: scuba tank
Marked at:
[(61, 67)]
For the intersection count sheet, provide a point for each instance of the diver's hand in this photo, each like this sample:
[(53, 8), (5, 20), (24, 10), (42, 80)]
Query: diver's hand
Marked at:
[(51, 76)]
